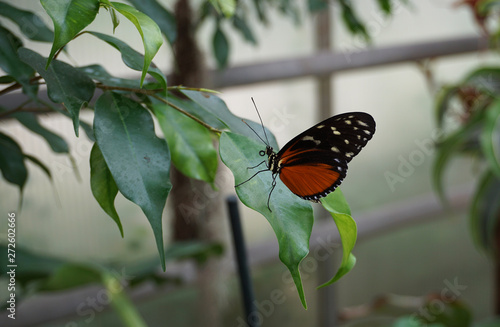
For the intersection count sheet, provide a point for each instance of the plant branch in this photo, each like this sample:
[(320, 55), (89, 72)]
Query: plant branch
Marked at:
[(210, 128)]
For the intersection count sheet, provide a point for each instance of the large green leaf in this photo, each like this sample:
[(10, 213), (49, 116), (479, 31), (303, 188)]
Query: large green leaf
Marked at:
[(103, 185), (70, 17), (150, 32), (30, 24), (190, 144), (65, 84), (138, 160), (164, 18), (132, 58), (12, 162), (12, 65), (490, 137), (336, 204), (291, 217)]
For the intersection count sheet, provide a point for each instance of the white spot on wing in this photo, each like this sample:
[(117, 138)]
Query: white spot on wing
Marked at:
[(348, 122), (310, 138), (335, 149), (362, 123), (320, 126)]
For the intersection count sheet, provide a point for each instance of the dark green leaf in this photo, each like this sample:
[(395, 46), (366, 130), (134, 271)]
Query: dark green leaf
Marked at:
[(149, 31), (190, 144), (164, 18), (218, 108), (445, 95), (30, 121), (35, 266), (291, 217), (65, 84), (98, 73), (132, 58), (385, 5), (12, 162), (138, 160), (485, 79), (196, 110), (351, 20), (240, 24), (6, 79), (12, 65), (490, 137), (336, 204), (30, 24), (103, 185), (450, 146), (39, 164), (485, 211), (221, 48), (70, 17)]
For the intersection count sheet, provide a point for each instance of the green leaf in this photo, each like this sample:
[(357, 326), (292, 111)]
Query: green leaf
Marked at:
[(12, 65), (120, 301), (150, 33), (227, 7), (196, 110), (164, 18), (336, 204), (98, 73), (65, 84), (103, 185), (40, 164), (291, 217), (385, 5), (214, 105), (69, 276), (221, 48), (351, 20), (30, 24), (190, 144), (30, 121), (443, 99), (12, 162), (70, 17), (485, 211), (451, 145), (138, 160), (490, 137), (132, 58), (240, 24)]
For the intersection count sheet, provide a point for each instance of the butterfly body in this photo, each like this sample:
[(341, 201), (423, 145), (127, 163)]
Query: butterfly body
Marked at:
[(314, 163)]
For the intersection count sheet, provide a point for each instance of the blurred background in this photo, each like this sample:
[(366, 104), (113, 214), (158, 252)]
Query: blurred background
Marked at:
[(410, 245)]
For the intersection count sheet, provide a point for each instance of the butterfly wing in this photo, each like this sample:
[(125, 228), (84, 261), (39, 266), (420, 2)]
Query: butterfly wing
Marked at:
[(314, 163)]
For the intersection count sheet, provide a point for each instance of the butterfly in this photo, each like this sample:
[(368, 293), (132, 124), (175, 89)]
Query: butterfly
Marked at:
[(314, 163)]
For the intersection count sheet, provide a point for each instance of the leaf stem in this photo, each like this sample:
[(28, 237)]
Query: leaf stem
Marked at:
[(210, 128)]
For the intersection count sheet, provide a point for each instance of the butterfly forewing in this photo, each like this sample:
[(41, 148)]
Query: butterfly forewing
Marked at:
[(314, 163)]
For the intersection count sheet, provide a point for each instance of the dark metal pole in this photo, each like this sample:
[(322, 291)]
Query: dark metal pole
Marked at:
[(241, 258)]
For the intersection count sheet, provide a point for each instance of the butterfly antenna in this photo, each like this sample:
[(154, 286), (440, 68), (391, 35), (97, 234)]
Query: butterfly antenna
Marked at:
[(253, 130), (261, 123)]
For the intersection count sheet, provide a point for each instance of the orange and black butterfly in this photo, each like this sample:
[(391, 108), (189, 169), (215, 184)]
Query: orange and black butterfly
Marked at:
[(314, 163)]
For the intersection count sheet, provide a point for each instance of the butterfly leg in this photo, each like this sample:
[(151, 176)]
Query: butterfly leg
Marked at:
[(256, 165), (273, 185)]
